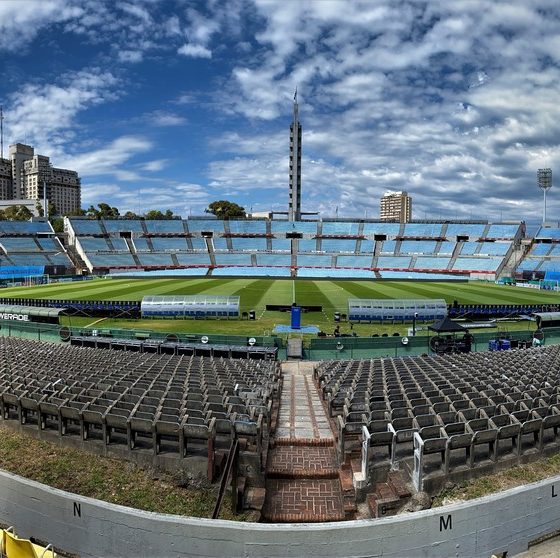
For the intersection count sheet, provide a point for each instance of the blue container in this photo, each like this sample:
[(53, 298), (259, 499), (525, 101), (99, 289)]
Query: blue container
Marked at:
[(296, 317)]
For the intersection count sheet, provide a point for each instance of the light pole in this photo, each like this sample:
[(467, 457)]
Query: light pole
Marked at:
[(544, 182), (414, 324)]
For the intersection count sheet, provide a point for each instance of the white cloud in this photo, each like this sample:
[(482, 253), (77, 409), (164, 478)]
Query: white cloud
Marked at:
[(154, 166), (195, 51), (107, 160), (45, 114), (164, 118), (20, 22), (132, 56)]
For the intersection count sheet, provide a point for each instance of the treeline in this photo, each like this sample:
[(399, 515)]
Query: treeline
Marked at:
[(105, 211)]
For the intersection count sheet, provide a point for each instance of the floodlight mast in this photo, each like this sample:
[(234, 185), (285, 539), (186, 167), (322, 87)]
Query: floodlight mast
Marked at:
[(544, 182)]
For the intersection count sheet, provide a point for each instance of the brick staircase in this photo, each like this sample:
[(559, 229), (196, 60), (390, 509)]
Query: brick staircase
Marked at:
[(304, 484)]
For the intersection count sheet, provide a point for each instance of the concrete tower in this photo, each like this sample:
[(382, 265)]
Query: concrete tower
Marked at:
[(294, 207)]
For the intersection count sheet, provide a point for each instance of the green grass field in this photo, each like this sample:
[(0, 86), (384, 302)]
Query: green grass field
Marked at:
[(255, 294)]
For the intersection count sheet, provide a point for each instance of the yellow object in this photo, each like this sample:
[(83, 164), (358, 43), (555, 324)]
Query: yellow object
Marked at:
[(14, 547)]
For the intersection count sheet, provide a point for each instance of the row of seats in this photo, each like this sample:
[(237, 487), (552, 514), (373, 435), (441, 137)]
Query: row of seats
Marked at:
[(163, 403), (33, 250), (455, 410)]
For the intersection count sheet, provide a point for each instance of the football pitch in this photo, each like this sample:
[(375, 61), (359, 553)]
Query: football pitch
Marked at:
[(255, 294)]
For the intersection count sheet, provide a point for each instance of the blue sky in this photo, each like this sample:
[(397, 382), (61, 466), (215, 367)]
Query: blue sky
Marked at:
[(176, 103)]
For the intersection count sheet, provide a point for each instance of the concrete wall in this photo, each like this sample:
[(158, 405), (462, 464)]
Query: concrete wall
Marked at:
[(92, 528)]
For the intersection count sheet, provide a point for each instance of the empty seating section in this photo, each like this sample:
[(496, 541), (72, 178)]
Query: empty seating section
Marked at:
[(396, 262), (339, 229), (160, 404), (333, 272), (233, 259), (116, 226), (367, 246), (494, 248), (550, 265), (199, 244), (426, 276), (322, 244), (86, 227), (208, 225), (314, 261), (25, 248), (468, 248), (169, 244), (452, 412), (15, 244), (219, 243), (542, 257), (338, 245), (418, 247), (472, 230), (543, 250), (111, 260), (502, 231), (446, 248), (548, 233), (249, 244), (282, 260), (530, 264), (477, 264), (49, 244), (247, 227), (431, 263), (251, 271), (94, 244), (303, 227), (353, 261), (170, 226), (140, 245), (305, 245), (281, 244), (156, 260), (193, 259), (388, 229), (388, 247), (24, 228), (422, 230)]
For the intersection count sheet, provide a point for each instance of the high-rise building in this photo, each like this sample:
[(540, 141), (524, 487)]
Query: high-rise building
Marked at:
[(396, 206), (294, 206), (25, 175)]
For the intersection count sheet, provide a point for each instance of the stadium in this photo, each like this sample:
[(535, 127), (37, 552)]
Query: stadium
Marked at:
[(281, 385), (172, 345)]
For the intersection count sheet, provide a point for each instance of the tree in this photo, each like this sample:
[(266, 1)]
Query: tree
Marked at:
[(105, 211), (16, 213), (57, 224), (130, 215), (224, 209), (154, 214), (41, 211)]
